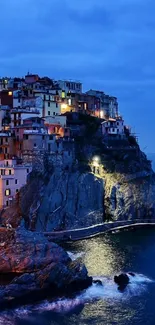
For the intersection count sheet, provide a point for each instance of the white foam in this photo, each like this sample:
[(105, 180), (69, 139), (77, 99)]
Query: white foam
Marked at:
[(109, 291), (75, 256), (139, 278)]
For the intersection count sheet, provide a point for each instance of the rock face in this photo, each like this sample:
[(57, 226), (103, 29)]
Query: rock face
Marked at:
[(131, 198), (33, 266), (71, 200)]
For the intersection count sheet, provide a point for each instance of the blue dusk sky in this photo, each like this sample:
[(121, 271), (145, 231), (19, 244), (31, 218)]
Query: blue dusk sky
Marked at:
[(107, 44)]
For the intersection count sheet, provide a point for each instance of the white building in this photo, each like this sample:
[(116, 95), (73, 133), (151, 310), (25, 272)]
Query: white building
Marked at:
[(113, 127), (70, 86), (12, 178), (19, 115)]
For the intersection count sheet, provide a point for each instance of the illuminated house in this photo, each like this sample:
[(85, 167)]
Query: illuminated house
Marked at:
[(70, 86), (113, 127), (13, 176), (108, 104)]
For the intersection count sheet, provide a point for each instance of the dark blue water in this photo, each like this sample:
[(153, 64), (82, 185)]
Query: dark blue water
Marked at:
[(104, 257)]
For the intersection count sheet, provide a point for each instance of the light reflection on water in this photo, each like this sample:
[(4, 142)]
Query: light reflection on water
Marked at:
[(104, 256)]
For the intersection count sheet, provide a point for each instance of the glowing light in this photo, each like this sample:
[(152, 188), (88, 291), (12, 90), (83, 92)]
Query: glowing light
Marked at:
[(10, 93), (101, 114), (64, 106), (96, 159)]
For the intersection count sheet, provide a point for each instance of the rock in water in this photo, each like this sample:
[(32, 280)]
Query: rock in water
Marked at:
[(98, 282), (132, 274), (122, 280), (36, 266)]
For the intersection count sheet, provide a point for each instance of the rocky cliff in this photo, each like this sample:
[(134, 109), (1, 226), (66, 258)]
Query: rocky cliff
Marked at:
[(120, 186), (71, 199)]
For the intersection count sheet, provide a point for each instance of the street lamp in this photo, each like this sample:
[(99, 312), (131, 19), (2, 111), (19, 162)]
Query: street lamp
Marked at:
[(96, 159), (101, 114)]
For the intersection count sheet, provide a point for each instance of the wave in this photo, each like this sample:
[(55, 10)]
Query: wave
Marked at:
[(75, 256), (109, 291)]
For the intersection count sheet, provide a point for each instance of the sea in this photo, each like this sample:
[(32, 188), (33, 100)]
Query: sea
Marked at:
[(104, 256)]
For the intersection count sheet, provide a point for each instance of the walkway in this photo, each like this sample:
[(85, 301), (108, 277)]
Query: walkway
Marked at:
[(84, 233)]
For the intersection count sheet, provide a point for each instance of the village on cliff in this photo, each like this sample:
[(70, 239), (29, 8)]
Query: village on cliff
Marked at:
[(40, 117)]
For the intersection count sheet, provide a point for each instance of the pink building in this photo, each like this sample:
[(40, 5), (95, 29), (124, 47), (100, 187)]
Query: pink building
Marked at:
[(13, 176)]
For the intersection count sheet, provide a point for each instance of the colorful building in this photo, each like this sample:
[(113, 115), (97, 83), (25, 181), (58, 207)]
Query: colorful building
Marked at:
[(13, 177)]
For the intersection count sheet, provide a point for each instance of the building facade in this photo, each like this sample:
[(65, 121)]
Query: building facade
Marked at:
[(12, 178)]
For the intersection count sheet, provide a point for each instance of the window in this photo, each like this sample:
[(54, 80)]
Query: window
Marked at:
[(7, 192), (63, 94), (26, 136), (35, 145), (7, 182), (17, 130), (17, 190), (10, 172), (51, 137), (49, 147), (6, 139), (43, 137), (27, 170), (117, 123), (7, 203), (113, 130), (69, 102), (7, 163), (16, 181), (6, 150), (53, 113), (56, 105), (49, 113), (49, 104)]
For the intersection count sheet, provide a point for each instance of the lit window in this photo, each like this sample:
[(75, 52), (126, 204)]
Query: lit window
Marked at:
[(7, 192), (10, 93), (69, 102), (63, 94)]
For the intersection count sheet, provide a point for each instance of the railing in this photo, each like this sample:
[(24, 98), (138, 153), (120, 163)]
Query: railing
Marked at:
[(88, 232)]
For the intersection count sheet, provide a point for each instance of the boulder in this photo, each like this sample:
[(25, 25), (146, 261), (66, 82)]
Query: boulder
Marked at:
[(98, 282), (132, 274), (122, 280), (31, 267)]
